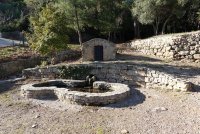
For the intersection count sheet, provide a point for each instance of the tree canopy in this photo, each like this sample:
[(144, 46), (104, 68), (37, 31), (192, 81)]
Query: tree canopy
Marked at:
[(49, 33), (118, 20), (159, 12), (12, 15)]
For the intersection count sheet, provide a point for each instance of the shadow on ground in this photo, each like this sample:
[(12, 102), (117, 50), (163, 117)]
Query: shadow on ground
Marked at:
[(134, 99), (179, 71), (196, 88), (125, 57), (4, 87)]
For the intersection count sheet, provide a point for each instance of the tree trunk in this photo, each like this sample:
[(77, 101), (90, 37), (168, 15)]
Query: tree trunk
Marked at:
[(136, 29), (114, 36), (165, 23), (53, 56), (155, 28), (109, 36), (80, 37), (78, 26)]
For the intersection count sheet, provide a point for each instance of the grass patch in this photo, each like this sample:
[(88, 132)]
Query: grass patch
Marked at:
[(20, 129), (5, 98), (14, 52), (74, 46), (100, 131), (10, 51)]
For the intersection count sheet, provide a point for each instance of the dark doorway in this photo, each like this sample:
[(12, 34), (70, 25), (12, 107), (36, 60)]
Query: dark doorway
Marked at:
[(98, 53)]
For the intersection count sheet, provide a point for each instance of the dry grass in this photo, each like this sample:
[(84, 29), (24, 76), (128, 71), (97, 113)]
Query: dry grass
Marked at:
[(12, 53)]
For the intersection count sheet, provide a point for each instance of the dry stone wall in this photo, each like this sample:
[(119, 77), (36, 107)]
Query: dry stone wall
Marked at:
[(121, 73), (172, 46), (13, 67)]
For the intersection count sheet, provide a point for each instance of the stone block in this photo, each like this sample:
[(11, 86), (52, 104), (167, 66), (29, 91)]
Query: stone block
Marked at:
[(196, 56), (192, 52), (184, 52), (185, 86), (155, 75), (101, 84)]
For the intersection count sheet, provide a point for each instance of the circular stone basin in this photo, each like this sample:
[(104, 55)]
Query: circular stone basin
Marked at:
[(76, 92)]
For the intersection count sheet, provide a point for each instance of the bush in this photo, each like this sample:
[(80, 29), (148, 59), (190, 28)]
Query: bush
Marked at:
[(74, 72)]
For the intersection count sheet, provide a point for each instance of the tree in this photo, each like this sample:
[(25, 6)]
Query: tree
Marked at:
[(158, 12), (110, 17), (49, 31), (105, 16), (136, 24), (75, 11), (191, 16), (12, 15), (35, 6)]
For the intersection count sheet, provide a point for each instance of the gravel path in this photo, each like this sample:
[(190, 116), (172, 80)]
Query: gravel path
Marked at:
[(147, 111)]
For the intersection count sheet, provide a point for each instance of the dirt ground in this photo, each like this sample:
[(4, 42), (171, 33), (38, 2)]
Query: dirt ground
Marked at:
[(146, 111)]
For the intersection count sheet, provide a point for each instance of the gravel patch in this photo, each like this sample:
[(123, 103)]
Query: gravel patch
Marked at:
[(146, 111)]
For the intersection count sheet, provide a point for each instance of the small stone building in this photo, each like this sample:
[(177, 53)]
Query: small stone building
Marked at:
[(98, 50)]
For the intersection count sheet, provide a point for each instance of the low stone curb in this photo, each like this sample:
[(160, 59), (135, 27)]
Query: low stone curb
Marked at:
[(118, 92)]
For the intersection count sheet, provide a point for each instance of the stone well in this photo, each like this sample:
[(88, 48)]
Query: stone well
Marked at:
[(98, 50), (61, 89)]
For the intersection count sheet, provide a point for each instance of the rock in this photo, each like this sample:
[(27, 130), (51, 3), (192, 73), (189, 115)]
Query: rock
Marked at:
[(149, 97), (124, 131), (185, 86), (168, 48), (197, 56), (184, 52), (192, 52), (159, 109), (37, 116), (101, 85), (34, 125)]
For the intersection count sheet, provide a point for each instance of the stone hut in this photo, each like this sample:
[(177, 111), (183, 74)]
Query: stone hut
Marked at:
[(98, 50)]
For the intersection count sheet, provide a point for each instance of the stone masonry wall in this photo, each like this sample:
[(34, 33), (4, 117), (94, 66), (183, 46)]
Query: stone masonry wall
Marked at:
[(13, 67), (109, 50), (121, 73), (172, 46)]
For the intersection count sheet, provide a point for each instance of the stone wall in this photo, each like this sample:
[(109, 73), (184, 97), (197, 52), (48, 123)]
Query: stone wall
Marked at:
[(172, 46), (13, 67), (133, 75), (116, 93), (68, 55)]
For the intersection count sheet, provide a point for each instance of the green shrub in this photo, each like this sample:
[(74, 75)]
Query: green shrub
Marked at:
[(74, 72), (44, 63)]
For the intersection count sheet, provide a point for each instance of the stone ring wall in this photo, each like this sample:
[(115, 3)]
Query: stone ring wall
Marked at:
[(118, 92)]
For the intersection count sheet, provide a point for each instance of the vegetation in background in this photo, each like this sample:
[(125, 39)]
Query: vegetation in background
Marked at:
[(159, 12), (106, 17), (75, 10), (12, 53), (49, 31), (13, 15), (119, 20), (74, 72)]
